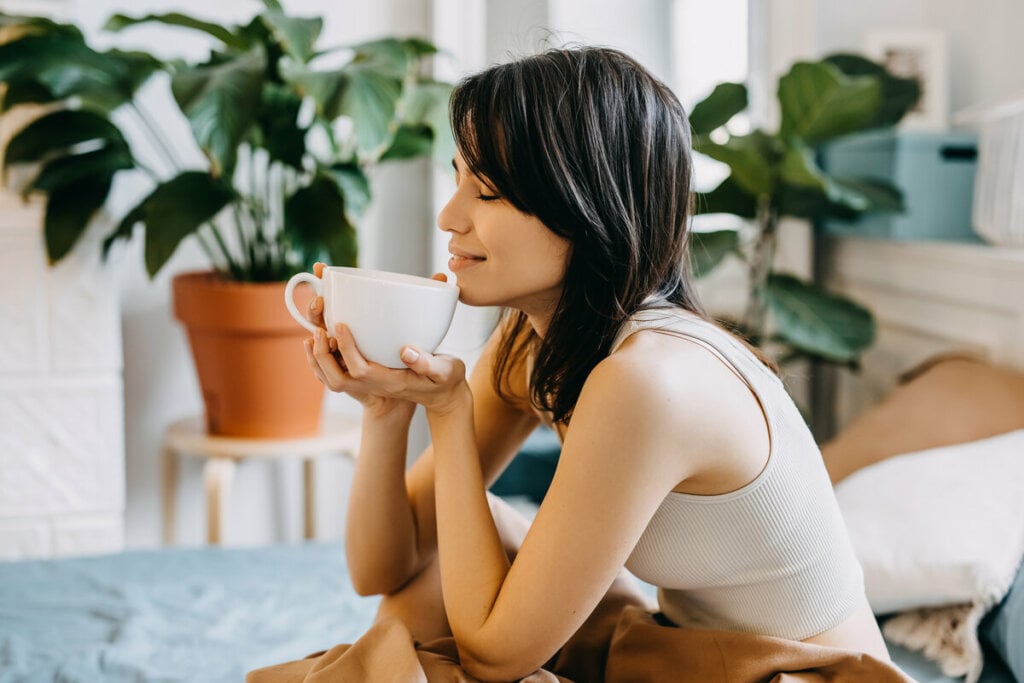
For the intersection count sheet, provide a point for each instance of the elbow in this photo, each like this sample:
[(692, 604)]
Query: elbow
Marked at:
[(368, 579), (378, 573), (366, 583), (496, 669)]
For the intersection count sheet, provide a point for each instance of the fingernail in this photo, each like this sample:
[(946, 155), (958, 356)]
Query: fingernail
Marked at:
[(409, 355)]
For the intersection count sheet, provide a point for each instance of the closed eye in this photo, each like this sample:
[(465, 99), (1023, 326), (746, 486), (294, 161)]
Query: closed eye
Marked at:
[(488, 197)]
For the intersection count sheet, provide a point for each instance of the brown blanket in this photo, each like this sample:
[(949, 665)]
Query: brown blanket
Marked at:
[(620, 643)]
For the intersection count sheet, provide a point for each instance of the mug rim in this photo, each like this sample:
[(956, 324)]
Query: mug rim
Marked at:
[(391, 277)]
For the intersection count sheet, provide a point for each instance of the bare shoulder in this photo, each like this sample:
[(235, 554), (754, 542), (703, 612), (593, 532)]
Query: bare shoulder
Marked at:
[(682, 393)]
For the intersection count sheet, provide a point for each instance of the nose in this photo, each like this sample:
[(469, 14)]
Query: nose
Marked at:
[(452, 217)]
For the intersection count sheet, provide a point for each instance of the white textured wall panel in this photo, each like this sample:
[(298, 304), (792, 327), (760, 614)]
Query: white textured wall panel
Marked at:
[(60, 447), (25, 537), (62, 458), (24, 344), (88, 534)]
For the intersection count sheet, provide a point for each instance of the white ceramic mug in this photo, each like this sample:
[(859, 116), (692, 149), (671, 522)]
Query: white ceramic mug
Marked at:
[(384, 311)]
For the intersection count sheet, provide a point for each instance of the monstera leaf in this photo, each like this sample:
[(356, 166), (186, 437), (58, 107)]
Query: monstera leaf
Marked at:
[(221, 102), (817, 322)]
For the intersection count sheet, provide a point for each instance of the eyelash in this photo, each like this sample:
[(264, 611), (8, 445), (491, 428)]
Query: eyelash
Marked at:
[(488, 197)]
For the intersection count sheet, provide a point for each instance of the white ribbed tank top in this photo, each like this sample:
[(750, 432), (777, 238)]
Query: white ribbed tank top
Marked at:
[(772, 557)]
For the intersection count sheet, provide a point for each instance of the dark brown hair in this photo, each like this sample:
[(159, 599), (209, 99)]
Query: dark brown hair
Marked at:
[(598, 149)]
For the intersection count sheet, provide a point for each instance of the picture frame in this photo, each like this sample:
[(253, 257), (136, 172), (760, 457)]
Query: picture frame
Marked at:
[(916, 53)]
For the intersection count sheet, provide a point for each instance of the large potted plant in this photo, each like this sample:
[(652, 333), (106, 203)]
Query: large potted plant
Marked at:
[(774, 174), (288, 132)]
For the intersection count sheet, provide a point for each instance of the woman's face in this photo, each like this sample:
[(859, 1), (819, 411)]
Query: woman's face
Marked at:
[(500, 256)]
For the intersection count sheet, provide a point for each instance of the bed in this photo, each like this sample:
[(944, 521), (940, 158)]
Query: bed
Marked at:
[(204, 614)]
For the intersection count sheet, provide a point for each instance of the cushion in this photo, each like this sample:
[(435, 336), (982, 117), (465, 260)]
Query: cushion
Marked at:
[(975, 399), (942, 527)]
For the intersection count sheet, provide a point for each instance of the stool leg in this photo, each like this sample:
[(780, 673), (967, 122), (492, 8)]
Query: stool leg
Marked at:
[(217, 476), (169, 491), (309, 493)]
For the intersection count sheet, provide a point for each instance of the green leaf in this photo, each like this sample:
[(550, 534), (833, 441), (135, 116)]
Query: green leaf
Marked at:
[(119, 22), (392, 57), (297, 35), (58, 131), (370, 98), (73, 170), (27, 91), (69, 209), (728, 197), (17, 26), (818, 322), (65, 67), (409, 142), (221, 102), (278, 123), (426, 103), (724, 102), (799, 168), (882, 196), (173, 211), (137, 66), (899, 95), (750, 157), (819, 102), (355, 187), (314, 218), (708, 249)]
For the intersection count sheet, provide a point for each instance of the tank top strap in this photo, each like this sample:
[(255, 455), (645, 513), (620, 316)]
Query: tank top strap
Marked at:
[(717, 340)]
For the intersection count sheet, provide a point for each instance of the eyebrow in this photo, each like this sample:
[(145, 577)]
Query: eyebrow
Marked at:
[(454, 166)]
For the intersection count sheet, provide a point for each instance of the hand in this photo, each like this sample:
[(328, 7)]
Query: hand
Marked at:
[(375, 405), (436, 382)]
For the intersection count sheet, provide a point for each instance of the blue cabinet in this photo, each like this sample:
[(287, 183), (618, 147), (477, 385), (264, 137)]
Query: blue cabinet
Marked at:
[(935, 172)]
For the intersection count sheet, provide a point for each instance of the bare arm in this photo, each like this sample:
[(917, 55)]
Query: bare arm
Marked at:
[(621, 456), (391, 531)]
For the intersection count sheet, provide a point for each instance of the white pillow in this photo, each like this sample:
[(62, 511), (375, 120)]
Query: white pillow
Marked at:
[(940, 526), (943, 526)]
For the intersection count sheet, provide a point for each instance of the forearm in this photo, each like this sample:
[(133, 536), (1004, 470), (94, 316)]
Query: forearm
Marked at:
[(473, 562), (380, 530)]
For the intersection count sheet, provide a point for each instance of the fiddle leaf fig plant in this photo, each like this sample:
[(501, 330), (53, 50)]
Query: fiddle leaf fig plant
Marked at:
[(288, 131), (776, 174)]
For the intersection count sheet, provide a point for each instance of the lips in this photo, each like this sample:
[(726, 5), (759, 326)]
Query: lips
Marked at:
[(458, 253), (462, 259)]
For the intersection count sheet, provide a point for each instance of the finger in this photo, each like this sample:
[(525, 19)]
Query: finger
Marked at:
[(438, 369), (318, 269), (315, 314), (307, 344), (440, 277), (332, 372), (357, 366)]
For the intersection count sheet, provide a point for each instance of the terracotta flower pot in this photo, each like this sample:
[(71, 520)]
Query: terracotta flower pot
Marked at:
[(249, 356)]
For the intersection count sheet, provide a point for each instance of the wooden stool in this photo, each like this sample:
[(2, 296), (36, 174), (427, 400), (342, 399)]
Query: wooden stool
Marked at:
[(339, 435)]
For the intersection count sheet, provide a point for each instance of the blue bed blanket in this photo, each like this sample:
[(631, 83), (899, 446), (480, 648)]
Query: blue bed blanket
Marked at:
[(202, 615), (174, 615)]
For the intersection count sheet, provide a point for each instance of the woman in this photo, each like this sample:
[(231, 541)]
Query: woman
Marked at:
[(683, 458)]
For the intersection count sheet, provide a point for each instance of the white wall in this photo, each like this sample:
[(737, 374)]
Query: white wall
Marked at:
[(984, 39)]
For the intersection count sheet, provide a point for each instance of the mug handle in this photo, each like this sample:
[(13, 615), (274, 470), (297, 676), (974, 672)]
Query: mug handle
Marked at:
[(289, 296)]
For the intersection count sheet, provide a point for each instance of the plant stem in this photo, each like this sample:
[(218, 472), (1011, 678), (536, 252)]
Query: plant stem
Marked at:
[(153, 175), (154, 131), (760, 268), (233, 267), (207, 250)]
